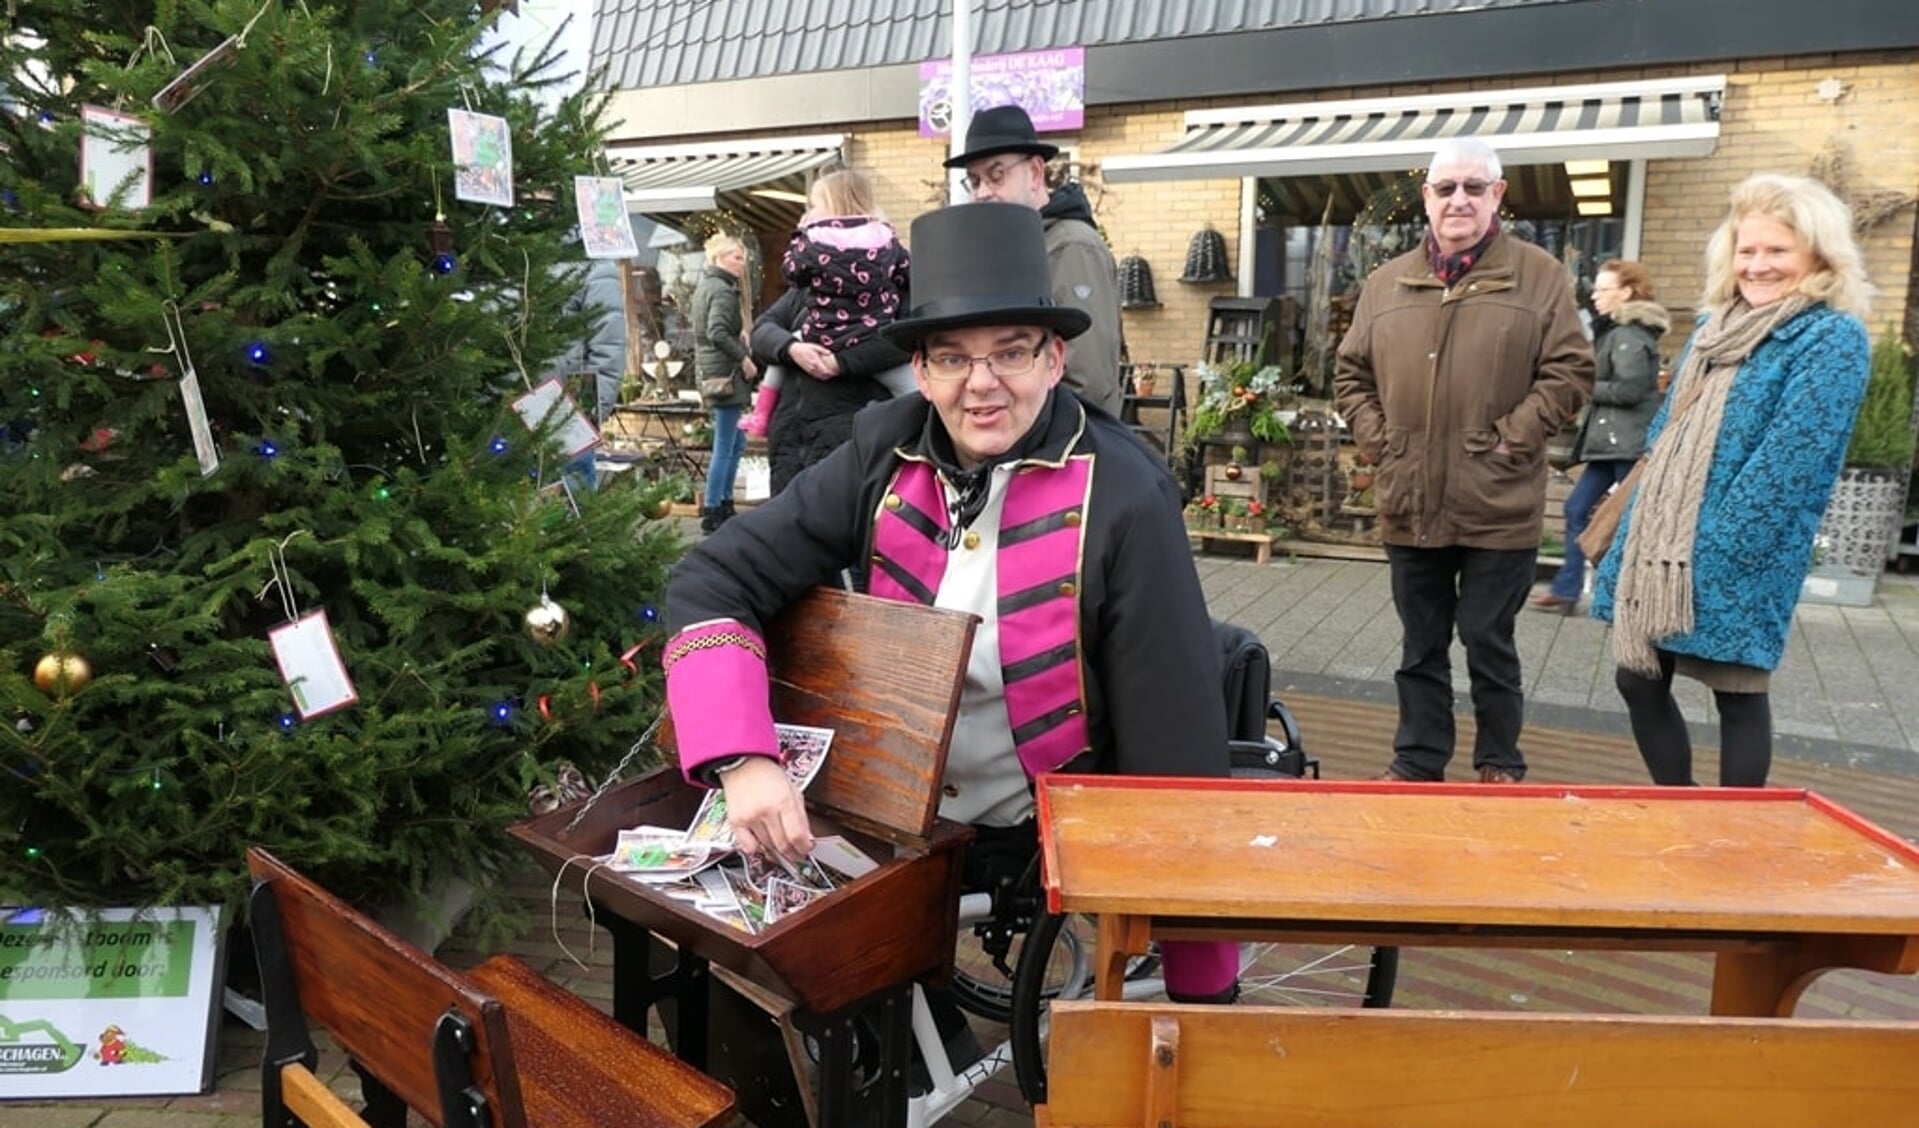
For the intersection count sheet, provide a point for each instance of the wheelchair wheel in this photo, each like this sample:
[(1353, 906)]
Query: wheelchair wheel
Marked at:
[(1348, 975), (982, 988)]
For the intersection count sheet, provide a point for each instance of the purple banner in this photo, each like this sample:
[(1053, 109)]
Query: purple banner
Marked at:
[(1049, 85)]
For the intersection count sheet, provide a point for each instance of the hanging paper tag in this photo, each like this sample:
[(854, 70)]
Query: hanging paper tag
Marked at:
[(549, 401), (203, 448), (186, 86), (310, 662), (482, 158), (116, 163), (604, 226)]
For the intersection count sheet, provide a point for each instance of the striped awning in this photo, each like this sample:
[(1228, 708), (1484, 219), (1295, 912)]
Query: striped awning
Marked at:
[(1535, 125), (753, 176)]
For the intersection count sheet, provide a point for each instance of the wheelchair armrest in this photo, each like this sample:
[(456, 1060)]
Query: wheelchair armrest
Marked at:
[(1269, 759)]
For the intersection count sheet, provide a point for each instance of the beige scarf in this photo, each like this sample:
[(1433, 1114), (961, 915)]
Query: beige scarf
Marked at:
[(1653, 599)]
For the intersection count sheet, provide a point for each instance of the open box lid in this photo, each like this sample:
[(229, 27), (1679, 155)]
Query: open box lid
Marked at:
[(886, 678)]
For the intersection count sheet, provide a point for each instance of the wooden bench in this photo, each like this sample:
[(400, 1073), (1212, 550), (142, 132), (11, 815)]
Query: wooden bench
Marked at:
[(1170, 1066), (500, 1047)]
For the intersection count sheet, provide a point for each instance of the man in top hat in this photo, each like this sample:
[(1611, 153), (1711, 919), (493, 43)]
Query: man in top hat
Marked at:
[(993, 492), (1005, 160)]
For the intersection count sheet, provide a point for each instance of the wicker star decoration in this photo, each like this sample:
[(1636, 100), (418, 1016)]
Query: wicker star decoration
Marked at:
[(1833, 166)]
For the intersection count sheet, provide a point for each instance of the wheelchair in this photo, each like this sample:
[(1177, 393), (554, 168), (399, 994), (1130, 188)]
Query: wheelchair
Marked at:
[(1018, 957)]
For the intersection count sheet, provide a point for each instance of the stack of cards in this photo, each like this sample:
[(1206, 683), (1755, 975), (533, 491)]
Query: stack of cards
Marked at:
[(700, 865)]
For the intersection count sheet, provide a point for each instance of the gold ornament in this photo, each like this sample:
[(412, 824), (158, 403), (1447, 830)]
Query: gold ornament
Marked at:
[(62, 674), (548, 622)]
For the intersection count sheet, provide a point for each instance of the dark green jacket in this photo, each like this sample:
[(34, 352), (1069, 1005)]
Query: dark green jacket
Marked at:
[(718, 347)]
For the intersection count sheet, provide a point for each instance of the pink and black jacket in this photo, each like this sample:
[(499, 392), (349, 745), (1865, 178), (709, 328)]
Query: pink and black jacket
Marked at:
[(1107, 650)]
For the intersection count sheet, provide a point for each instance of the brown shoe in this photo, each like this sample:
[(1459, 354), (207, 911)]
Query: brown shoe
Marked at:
[(1491, 774), (1391, 776), (1557, 604)]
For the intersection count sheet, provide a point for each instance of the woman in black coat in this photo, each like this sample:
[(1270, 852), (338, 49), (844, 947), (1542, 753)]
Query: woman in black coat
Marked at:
[(816, 414)]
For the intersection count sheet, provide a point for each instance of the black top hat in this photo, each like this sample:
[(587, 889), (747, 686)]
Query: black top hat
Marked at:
[(1002, 129), (981, 264)]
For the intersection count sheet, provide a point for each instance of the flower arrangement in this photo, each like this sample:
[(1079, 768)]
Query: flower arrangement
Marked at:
[(1242, 393)]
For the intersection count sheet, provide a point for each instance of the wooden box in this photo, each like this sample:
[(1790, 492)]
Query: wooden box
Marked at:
[(886, 677)]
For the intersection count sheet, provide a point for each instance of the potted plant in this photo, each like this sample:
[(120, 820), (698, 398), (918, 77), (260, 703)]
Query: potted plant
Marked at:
[(1209, 512), (1145, 380), (1862, 519), (1241, 402), (1255, 516)]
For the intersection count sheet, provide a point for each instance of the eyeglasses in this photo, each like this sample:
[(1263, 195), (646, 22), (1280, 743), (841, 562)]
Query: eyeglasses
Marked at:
[(993, 174), (1014, 360), (1445, 188)]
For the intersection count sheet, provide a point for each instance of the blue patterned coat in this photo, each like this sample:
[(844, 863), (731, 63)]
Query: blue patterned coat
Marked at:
[(1788, 419)]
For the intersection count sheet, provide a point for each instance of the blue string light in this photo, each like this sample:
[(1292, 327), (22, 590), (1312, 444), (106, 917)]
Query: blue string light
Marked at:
[(257, 353), (498, 445), (501, 712), (288, 722), (444, 262), (650, 613), (269, 448), (206, 178)]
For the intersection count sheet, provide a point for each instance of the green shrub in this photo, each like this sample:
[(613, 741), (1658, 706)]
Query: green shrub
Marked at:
[(1882, 437)]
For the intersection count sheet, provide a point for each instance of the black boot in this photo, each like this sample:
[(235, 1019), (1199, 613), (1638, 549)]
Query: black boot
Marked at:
[(710, 518), (726, 511)]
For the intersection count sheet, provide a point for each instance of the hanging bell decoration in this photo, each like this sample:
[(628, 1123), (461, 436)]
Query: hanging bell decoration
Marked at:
[(1136, 284), (1206, 258)]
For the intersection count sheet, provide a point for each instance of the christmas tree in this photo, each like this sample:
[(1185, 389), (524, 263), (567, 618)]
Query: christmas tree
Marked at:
[(357, 334)]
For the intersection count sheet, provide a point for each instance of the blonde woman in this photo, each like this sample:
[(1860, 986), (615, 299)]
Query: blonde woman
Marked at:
[(1709, 557), (723, 368)]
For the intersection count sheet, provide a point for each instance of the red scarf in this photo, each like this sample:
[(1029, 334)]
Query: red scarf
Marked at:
[(1451, 268)]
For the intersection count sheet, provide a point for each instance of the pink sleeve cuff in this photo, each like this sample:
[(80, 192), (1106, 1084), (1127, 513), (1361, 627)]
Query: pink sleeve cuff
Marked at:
[(716, 691)]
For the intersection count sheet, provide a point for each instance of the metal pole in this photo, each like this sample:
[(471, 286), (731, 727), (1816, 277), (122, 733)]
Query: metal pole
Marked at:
[(961, 90)]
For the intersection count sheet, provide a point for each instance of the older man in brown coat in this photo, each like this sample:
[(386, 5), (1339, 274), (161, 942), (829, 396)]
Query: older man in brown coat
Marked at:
[(1464, 357)]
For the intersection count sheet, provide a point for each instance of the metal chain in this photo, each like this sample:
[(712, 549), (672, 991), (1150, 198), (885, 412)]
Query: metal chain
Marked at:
[(645, 741)]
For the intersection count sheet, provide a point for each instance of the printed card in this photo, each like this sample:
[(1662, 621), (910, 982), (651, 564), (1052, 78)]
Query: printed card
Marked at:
[(116, 160), (727, 912), (204, 451), (784, 898), (605, 228), (803, 750), (752, 901), (655, 850), (482, 158), (709, 822), (310, 662), (838, 856), (186, 86), (550, 402)]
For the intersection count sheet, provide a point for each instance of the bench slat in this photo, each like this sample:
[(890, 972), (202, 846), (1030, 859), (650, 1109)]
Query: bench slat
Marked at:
[(580, 1069), (316, 1105), (1242, 1067)]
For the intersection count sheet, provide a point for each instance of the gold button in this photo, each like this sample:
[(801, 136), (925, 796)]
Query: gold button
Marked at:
[(893, 501), (1068, 588), (1072, 519), (972, 539), (951, 791)]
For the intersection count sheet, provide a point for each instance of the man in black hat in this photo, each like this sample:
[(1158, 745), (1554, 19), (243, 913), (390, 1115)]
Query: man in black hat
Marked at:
[(1006, 161), (994, 492)]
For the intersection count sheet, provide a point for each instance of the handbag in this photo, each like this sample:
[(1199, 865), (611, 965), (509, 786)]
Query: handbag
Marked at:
[(716, 387), (1603, 526)]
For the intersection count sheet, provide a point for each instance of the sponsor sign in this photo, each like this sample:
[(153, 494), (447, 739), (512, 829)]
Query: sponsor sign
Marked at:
[(1049, 85), (114, 1002)]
